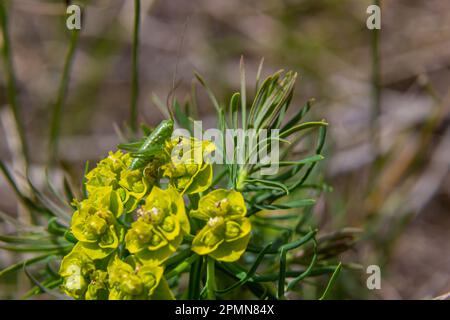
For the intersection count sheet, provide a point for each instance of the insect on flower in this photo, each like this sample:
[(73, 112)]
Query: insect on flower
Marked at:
[(153, 145)]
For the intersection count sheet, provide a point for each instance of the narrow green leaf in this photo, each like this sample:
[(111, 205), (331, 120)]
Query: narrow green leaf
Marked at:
[(290, 273), (61, 95), (302, 126), (282, 277), (49, 284), (182, 118), (275, 102), (299, 116), (311, 159), (243, 94), (250, 273), (238, 272), (37, 248), (50, 207), (258, 74), (307, 272), (283, 252), (209, 92), (333, 279), (11, 88), (57, 194), (68, 192), (19, 265), (41, 240), (42, 287), (289, 205), (271, 185), (55, 227), (295, 244), (233, 109), (24, 199), (267, 88), (320, 144), (135, 67)]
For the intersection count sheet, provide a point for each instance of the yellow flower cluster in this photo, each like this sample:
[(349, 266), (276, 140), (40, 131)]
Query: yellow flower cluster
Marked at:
[(129, 225)]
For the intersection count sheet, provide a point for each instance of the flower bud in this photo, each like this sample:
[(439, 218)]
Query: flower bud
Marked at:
[(96, 226), (159, 228), (131, 284), (227, 231)]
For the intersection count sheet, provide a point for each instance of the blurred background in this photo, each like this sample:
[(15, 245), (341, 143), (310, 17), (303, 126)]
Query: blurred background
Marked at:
[(385, 94)]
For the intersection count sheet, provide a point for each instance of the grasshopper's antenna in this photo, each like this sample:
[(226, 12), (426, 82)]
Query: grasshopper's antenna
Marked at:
[(169, 101)]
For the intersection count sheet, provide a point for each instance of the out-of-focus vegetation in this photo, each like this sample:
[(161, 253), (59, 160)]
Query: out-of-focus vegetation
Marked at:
[(387, 156)]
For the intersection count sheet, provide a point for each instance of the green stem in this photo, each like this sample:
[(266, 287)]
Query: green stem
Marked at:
[(49, 284), (19, 265), (135, 62), (11, 89), (210, 278), (262, 291), (282, 277), (218, 177), (182, 266), (195, 277), (376, 84), (313, 273), (243, 95), (61, 95)]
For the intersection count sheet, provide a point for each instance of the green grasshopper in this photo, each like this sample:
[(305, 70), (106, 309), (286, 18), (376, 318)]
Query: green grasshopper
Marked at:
[(143, 151)]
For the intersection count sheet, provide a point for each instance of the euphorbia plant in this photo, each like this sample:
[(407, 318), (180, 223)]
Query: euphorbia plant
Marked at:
[(155, 217)]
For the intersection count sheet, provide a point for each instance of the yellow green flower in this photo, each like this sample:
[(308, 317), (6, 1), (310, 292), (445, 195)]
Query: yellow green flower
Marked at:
[(159, 228), (226, 233), (133, 182), (187, 170), (130, 185), (76, 270), (94, 223), (129, 280), (98, 286), (107, 172)]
